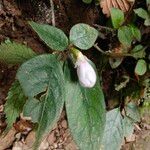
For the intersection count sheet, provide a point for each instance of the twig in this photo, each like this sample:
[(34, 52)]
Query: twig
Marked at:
[(110, 53), (103, 27), (99, 49), (53, 13)]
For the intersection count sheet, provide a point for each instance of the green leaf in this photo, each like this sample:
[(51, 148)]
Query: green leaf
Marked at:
[(138, 52), (52, 36), (83, 36), (32, 109), (118, 126), (143, 14), (115, 62), (132, 116), (87, 1), (117, 17), (85, 112), (15, 53), (148, 5), (136, 33), (113, 133), (128, 126), (43, 83), (125, 36), (14, 104), (133, 112), (141, 67)]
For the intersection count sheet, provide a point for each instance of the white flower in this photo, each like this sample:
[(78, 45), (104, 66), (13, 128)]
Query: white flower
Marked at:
[(85, 72)]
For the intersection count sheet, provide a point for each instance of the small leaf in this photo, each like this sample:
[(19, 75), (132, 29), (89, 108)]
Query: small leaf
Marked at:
[(83, 36), (135, 32), (115, 62), (87, 1), (125, 36), (117, 17), (113, 133), (143, 14), (43, 83), (15, 53), (52, 36), (148, 5), (141, 67), (14, 104), (85, 112), (133, 112), (138, 52)]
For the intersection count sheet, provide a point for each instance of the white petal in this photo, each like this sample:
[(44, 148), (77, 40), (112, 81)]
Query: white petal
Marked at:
[(86, 73)]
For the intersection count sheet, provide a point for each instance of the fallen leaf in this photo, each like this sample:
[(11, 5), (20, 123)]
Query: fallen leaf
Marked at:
[(123, 5)]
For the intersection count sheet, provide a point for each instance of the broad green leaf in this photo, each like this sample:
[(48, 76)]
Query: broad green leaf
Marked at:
[(83, 36), (138, 52), (143, 14), (125, 36), (85, 112), (136, 33), (14, 104), (118, 126), (15, 53), (52, 36), (43, 83), (117, 17), (141, 67), (87, 1), (113, 133)]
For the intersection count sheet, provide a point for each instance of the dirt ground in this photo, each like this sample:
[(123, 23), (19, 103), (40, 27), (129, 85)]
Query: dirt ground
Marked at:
[(13, 25)]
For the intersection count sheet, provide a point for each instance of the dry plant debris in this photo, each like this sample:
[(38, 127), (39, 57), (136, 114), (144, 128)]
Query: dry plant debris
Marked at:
[(123, 5)]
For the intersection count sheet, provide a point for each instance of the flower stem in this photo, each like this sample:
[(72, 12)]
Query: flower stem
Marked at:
[(75, 52)]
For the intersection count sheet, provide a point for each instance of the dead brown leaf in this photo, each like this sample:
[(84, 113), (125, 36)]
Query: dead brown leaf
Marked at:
[(123, 5)]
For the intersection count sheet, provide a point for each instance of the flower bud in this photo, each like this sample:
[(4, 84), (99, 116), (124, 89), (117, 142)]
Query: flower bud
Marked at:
[(85, 72)]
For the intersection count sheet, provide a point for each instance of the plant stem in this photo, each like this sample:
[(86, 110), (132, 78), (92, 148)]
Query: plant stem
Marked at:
[(103, 27), (99, 49), (52, 11), (110, 53)]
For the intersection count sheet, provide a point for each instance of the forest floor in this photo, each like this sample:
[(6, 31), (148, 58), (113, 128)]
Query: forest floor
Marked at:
[(13, 25)]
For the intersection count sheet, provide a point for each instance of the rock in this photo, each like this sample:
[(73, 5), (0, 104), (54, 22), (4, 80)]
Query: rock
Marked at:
[(7, 140), (131, 138), (44, 145), (51, 138), (30, 139), (71, 146), (64, 124), (18, 146), (55, 145)]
